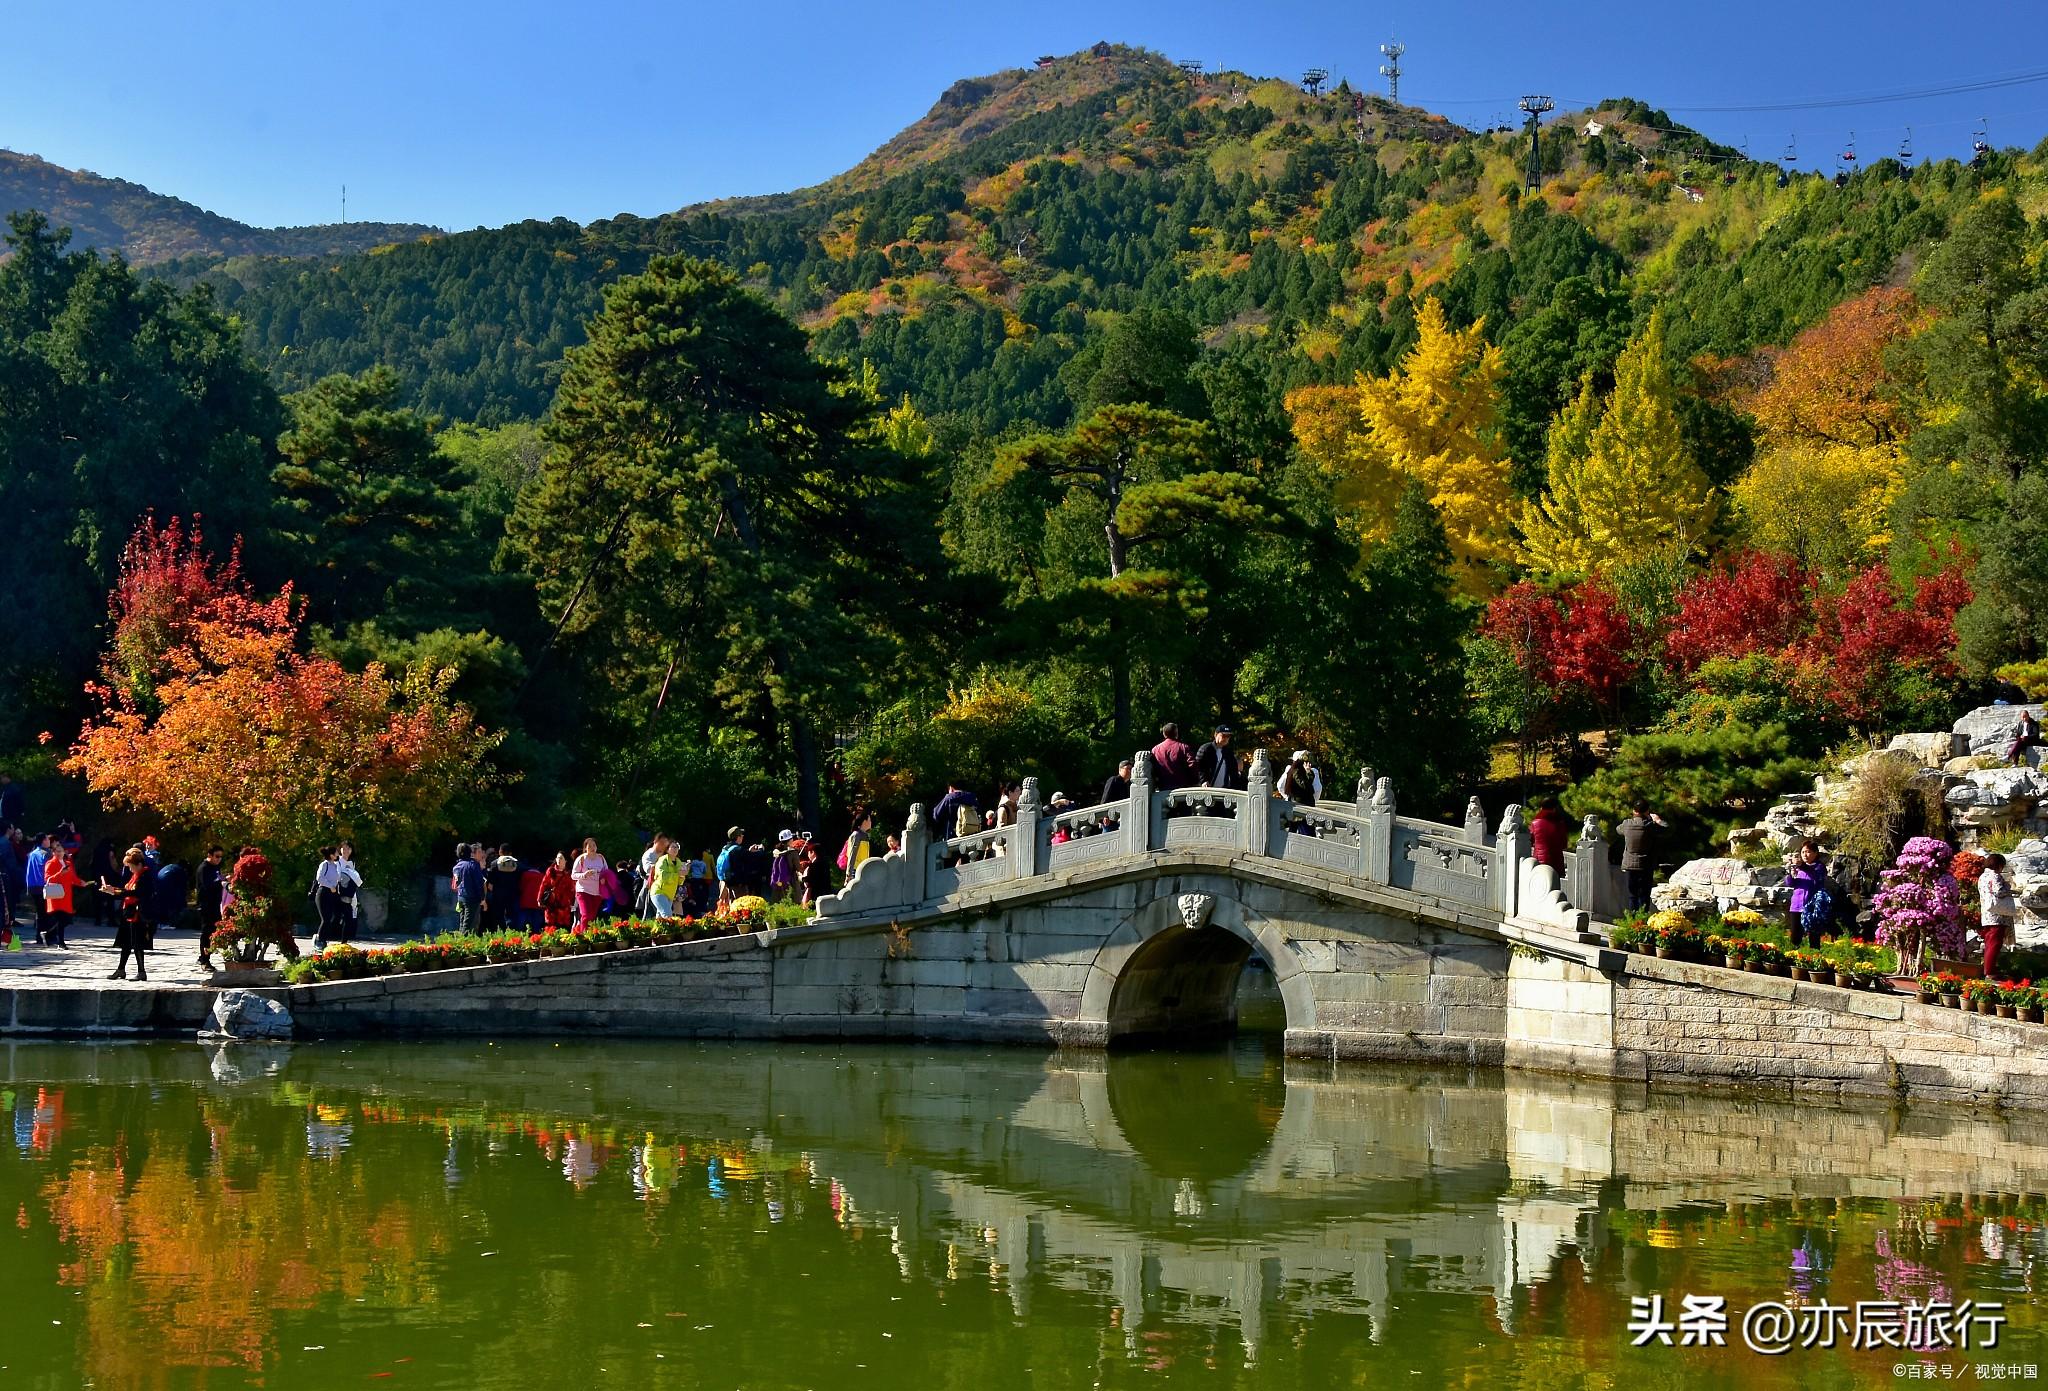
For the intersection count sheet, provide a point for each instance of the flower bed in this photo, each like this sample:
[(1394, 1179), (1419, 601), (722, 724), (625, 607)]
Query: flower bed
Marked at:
[(2008, 999), (455, 949)]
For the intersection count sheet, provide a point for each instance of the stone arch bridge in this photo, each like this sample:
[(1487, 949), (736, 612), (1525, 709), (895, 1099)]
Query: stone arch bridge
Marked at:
[(1388, 937)]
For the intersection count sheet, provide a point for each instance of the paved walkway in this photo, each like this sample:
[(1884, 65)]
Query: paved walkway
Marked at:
[(89, 959)]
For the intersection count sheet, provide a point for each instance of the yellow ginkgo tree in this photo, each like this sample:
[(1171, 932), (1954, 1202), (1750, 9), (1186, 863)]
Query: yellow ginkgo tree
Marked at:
[(1435, 420), (1620, 477)]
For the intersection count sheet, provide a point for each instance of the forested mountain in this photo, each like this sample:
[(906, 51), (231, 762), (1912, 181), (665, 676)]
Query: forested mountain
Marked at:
[(148, 227), (1103, 395), (976, 253)]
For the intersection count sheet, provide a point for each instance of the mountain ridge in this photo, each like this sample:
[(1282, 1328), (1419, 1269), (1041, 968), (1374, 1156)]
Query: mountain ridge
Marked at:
[(148, 227)]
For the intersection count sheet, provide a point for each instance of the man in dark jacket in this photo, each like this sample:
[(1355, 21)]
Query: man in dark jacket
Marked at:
[(166, 904), (213, 879), (1638, 836), (947, 812), (1118, 785), (1216, 764)]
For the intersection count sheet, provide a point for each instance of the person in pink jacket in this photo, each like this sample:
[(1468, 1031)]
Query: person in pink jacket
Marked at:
[(588, 873)]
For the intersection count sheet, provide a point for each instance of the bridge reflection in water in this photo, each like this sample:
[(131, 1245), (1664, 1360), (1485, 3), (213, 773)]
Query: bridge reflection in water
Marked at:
[(1231, 1189)]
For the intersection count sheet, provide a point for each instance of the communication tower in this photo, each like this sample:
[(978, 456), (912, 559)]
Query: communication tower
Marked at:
[(1312, 81), (1193, 67), (1391, 69), (1536, 106)]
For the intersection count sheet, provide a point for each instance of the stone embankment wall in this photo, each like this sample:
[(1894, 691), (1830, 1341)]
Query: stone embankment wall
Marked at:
[(103, 1010)]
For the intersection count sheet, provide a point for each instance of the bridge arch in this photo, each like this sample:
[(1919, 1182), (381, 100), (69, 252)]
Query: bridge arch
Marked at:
[(1169, 970)]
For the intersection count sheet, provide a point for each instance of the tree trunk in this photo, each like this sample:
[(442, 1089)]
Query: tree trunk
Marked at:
[(1119, 656), (803, 741), (809, 800)]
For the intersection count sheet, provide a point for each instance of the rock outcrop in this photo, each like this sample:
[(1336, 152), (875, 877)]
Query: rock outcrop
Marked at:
[(243, 1014)]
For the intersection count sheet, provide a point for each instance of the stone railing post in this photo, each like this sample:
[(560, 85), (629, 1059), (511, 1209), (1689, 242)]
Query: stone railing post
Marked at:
[(1475, 823), (1379, 833), (1255, 832), (1510, 848), (1137, 825), (1589, 863), (1023, 854), (917, 854)]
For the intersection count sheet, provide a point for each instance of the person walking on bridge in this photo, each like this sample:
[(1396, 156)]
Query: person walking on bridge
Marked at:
[(946, 815), (1639, 851), (1118, 785), (1173, 761), (1547, 835), (1217, 764)]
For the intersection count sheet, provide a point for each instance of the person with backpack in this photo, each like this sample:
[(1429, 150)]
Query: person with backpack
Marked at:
[(37, 862), (558, 894), (859, 843), (169, 891), (732, 866), (1810, 914)]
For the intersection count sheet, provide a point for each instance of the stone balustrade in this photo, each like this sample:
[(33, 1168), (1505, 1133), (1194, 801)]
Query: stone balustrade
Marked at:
[(1363, 840)]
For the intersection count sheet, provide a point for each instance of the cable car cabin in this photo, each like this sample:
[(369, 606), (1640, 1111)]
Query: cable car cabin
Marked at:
[(1841, 178), (1783, 178)]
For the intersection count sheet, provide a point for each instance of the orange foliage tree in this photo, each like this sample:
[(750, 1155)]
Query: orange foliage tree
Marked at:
[(210, 715), (1832, 384)]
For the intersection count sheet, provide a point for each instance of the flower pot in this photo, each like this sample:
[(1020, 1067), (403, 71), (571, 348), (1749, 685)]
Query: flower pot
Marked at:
[(1952, 1001), (1730, 963), (1927, 997), (1844, 979), (1987, 1006), (2008, 1012), (2031, 1015), (1665, 953)]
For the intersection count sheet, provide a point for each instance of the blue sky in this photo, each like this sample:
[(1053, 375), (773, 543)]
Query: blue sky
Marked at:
[(465, 114)]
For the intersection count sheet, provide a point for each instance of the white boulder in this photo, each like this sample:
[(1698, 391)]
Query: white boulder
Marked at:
[(1931, 750), (245, 1014), (1990, 728)]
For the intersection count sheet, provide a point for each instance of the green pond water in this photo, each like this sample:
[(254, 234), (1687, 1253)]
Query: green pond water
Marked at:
[(714, 1215)]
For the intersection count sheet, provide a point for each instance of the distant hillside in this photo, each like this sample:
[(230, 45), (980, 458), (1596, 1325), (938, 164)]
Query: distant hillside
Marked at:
[(147, 227), (975, 255)]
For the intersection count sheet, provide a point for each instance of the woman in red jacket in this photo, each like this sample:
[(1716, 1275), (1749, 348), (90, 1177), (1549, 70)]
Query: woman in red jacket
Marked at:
[(60, 878), (1548, 833), (557, 894)]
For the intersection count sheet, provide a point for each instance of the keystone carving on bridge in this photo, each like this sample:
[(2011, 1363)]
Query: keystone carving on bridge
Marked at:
[(1195, 910)]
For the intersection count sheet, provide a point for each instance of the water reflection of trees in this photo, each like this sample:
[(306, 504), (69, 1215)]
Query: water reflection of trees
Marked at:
[(188, 1263), (205, 1225)]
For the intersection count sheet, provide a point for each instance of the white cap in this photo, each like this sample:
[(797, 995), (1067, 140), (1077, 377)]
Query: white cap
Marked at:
[(785, 835), (1300, 756)]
